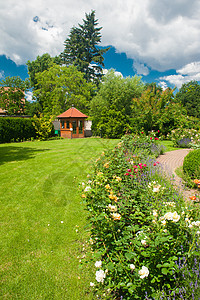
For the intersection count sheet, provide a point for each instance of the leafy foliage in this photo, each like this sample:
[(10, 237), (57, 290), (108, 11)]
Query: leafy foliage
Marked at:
[(43, 126), (189, 96), (183, 137), (111, 107), (138, 228), (39, 65), (16, 129), (81, 49), (12, 96), (60, 87), (191, 164)]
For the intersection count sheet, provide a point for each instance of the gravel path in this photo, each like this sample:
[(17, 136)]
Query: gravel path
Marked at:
[(170, 161)]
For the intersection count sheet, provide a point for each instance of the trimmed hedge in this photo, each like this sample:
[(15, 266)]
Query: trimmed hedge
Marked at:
[(16, 129), (191, 164)]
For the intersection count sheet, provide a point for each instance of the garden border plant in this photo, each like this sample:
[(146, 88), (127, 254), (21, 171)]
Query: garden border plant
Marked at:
[(144, 239)]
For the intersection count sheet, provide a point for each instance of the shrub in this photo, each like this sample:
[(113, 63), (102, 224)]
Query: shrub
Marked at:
[(191, 164), (139, 232), (43, 126), (16, 129), (183, 137)]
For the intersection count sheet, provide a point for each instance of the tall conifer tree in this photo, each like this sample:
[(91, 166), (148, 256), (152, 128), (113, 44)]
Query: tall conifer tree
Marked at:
[(81, 48)]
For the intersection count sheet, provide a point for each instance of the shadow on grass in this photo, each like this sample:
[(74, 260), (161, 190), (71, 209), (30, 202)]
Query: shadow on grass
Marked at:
[(14, 153)]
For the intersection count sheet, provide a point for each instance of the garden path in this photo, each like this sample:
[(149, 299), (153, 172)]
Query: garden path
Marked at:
[(169, 162)]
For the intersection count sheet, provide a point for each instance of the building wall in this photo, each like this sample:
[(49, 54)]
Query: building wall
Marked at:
[(88, 130)]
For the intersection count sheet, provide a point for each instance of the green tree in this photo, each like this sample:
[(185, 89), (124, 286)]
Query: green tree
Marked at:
[(60, 87), (12, 95), (189, 96), (81, 49), (147, 109), (111, 107), (39, 65)]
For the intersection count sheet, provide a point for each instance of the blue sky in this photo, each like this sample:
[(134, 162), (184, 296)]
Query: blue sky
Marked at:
[(112, 60), (158, 40)]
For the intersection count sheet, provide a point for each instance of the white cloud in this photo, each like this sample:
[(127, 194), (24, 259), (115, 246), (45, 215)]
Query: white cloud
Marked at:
[(105, 71), (186, 74), (163, 85), (190, 69), (2, 75), (159, 34), (140, 68), (28, 96)]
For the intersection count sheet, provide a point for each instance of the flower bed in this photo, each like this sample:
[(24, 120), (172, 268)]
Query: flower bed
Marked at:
[(185, 138), (144, 240)]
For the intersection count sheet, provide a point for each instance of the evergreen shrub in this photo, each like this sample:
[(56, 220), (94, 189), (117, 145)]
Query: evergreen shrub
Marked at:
[(16, 129), (191, 164)]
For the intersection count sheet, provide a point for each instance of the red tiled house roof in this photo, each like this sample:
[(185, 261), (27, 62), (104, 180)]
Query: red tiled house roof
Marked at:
[(72, 113)]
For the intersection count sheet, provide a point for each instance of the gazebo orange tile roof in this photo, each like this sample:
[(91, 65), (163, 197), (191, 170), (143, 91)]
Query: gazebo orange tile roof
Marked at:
[(72, 113)]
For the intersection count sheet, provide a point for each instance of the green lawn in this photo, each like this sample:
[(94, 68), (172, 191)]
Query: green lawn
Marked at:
[(168, 145), (40, 206)]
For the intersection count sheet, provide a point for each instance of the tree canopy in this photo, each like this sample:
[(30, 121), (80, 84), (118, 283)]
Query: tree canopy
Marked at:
[(189, 96), (60, 87), (81, 48), (111, 107), (12, 95), (39, 65)]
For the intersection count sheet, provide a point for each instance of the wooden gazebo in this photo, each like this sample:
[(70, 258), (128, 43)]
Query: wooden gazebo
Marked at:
[(72, 123)]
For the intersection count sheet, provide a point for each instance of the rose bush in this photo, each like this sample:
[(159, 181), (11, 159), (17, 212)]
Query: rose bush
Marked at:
[(140, 226), (184, 137)]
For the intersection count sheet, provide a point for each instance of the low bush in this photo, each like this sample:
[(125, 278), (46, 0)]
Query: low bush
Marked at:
[(184, 137), (144, 240), (43, 126), (16, 129), (191, 164)]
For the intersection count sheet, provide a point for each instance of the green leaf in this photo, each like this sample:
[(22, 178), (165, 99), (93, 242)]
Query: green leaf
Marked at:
[(164, 271), (166, 265), (130, 255), (129, 284), (110, 266)]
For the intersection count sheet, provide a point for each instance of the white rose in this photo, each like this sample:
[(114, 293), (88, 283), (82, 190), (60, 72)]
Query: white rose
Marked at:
[(132, 266), (155, 213), (143, 242), (156, 189), (175, 217), (168, 216), (98, 264), (87, 188), (112, 207), (144, 272), (100, 275), (163, 222)]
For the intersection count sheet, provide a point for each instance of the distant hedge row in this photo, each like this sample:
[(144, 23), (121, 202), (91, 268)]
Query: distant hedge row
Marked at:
[(16, 129)]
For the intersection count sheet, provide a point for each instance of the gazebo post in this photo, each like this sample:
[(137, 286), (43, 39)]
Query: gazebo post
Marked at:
[(71, 129)]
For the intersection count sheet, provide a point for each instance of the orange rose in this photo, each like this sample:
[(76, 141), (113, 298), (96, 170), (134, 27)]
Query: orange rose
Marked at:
[(197, 181), (193, 198)]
